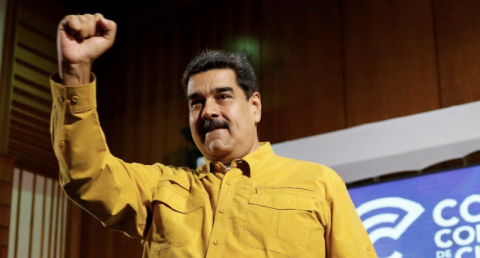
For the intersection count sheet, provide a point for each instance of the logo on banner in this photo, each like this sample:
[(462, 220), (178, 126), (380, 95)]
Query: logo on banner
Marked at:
[(458, 230), (389, 224)]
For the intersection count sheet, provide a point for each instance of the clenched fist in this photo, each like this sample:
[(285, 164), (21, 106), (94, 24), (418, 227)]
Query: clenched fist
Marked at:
[(81, 39)]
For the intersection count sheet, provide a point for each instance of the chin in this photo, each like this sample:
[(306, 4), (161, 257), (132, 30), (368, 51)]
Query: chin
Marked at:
[(217, 149)]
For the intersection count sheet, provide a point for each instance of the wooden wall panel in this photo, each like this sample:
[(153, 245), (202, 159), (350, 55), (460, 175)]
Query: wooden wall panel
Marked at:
[(104, 243), (33, 61), (390, 59), (4, 216), (457, 25), (3, 252), (3, 237), (6, 168), (6, 177), (73, 230), (302, 69), (3, 242), (5, 192), (7, 58), (147, 108)]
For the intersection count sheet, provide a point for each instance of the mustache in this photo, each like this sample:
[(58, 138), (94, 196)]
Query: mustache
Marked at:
[(212, 124)]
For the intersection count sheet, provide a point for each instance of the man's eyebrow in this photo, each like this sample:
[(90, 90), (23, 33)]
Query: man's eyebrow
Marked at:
[(197, 95), (221, 89), (193, 96)]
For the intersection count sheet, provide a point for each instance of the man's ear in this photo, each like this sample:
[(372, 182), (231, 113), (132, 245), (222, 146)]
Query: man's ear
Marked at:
[(256, 105)]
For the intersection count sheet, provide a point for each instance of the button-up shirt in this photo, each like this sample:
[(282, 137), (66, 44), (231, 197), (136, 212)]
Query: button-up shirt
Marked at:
[(263, 205)]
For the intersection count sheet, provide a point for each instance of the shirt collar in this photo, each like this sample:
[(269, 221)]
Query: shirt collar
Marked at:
[(249, 164)]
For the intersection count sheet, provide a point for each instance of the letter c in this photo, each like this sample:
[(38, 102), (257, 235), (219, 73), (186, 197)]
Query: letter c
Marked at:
[(438, 238), (461, 251), (464, 209), (437, 213)]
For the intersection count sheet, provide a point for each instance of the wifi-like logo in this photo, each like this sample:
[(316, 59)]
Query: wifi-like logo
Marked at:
[(389, 224)]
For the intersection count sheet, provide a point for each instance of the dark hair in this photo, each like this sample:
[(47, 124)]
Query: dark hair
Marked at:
[(218, 59)]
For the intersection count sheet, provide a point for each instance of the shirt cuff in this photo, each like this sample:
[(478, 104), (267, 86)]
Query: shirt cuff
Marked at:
[(73, 99)]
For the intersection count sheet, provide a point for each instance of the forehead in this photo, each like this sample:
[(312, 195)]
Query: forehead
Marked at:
[(211, 79)]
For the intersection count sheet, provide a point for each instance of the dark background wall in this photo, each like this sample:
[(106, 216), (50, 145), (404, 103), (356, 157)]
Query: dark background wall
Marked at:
[(322, 66)]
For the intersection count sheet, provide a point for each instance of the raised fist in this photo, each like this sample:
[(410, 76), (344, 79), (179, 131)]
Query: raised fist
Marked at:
[(81, 39)]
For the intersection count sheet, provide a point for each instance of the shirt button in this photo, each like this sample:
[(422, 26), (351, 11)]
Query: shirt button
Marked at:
[(60, 98), (222, 210), (216, 242), (75, 99), (229, 182)]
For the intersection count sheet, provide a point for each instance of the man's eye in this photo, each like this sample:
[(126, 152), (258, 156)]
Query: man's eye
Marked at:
[(223, 96), (196, 103)]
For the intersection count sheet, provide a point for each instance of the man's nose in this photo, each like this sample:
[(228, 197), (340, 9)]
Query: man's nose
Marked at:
[(210, 110)]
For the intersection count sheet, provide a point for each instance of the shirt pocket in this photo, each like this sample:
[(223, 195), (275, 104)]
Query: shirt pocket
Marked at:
[(278, 220), (177, 216)]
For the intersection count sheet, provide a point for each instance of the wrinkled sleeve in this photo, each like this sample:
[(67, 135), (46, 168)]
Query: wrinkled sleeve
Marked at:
[(345, 235), (117, 193)]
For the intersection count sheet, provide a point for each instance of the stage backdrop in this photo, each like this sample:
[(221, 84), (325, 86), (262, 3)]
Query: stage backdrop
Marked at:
[(435, 215)]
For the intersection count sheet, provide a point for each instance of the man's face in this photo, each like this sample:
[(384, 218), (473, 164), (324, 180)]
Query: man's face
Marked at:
[(222, 121)]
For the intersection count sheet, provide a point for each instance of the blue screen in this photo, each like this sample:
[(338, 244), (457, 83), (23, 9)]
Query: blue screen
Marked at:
[(435, 215)]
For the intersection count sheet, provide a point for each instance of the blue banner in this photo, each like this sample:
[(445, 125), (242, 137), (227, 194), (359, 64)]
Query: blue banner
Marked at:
[(435, 215)]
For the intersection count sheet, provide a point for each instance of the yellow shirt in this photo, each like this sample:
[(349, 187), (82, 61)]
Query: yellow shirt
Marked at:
[(263, 206)]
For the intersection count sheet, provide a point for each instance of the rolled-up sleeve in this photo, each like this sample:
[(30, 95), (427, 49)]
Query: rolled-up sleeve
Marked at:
[(117, 193)]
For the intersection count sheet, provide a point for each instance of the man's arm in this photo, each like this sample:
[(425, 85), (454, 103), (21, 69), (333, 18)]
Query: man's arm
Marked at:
[(117, 193)]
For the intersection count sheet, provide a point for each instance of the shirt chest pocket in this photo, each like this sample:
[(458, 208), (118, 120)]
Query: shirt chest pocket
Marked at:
[(279, 219), (177, 216)]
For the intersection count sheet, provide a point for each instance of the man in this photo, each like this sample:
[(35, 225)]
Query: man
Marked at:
[(245, 202)]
